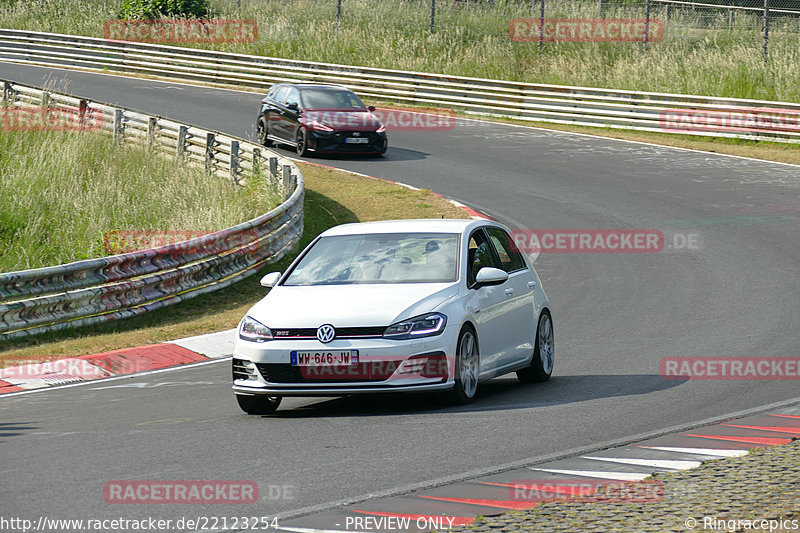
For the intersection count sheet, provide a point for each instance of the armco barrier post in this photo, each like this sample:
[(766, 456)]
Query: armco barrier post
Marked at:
[(273, 171), (235, 162), (209, 153), (45, 100), (152, 131), (766, 30), (118, 125), (181, 148), (8, 93), (286, 182), (256, 161), (82, 107)]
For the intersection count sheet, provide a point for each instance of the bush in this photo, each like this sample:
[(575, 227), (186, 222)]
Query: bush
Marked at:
[(153, 9)]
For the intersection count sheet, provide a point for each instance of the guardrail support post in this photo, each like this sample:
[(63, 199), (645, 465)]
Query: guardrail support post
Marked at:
[(118, 127), (209, 154), (45, 101), (286, 182), (273, 170), (766, 30), (181, 148), (152, 131), (256, 161), (8, 92), (235, 162)]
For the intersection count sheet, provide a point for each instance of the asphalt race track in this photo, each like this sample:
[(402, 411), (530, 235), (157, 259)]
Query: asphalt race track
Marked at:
[(615, 317)]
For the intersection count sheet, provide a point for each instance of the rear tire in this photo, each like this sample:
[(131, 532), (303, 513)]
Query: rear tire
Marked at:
[(258, 405), (262, 132), (541, 367), (467, 366)]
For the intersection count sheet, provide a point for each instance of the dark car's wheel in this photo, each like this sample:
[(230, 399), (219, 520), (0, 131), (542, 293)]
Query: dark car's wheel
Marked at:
[(544, 350), (262, 131), (302, 142), (466, 368), (258, 405)]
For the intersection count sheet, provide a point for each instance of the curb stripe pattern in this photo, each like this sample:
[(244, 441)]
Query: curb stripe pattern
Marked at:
[(497, 493)]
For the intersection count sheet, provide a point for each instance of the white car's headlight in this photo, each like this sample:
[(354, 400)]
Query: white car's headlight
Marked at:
[(251, 329), (426, 325)]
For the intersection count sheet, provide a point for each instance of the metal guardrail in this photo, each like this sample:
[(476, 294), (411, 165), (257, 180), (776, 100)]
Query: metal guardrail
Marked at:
[(633, 110), (128, 284)]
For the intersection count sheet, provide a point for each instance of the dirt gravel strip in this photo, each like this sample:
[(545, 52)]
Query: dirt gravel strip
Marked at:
[(759, 491)]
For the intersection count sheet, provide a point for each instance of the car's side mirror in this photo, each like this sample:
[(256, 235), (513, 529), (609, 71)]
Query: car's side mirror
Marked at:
[(270, 279), (294, 106), (370, 108), (488, 276)]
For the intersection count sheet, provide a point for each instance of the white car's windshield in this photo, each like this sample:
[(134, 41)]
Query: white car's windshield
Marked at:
[(379, 258)]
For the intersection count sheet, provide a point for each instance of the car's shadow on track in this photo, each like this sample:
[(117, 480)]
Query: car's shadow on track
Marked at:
[(497, 395), (14, 429), (392, 154)]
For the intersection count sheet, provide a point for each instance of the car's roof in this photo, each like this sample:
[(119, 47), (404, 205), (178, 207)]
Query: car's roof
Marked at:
[(323, 86), (429, 225)]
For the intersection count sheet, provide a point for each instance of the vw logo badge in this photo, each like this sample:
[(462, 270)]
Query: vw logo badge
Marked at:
[(326, 333)]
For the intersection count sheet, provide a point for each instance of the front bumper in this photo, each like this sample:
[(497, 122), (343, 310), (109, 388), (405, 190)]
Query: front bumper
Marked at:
[(334, 142), (384, 366)]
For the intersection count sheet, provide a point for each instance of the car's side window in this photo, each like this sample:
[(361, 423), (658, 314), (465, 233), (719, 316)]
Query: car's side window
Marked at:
[(280, 94), (479, 255), (508, 253), (293, 97)]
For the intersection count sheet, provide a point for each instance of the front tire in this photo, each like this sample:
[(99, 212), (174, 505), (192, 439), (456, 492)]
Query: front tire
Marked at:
[(262, 132), (467, 366), (258, 405), (541, 367), (302, 142)]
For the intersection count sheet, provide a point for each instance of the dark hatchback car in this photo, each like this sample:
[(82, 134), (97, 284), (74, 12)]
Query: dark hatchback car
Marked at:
[(319, 118)]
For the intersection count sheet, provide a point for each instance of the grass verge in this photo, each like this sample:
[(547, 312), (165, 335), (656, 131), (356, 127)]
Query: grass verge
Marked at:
[(332, 197), (64, 193)]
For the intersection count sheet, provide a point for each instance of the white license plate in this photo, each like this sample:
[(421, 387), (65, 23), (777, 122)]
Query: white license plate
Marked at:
[(356, 140), (324, 358)]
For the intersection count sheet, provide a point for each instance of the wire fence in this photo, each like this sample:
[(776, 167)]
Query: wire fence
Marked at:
[(755, 22)]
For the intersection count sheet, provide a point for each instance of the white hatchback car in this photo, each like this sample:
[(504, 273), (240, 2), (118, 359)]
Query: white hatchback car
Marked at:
[(405, 305)]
